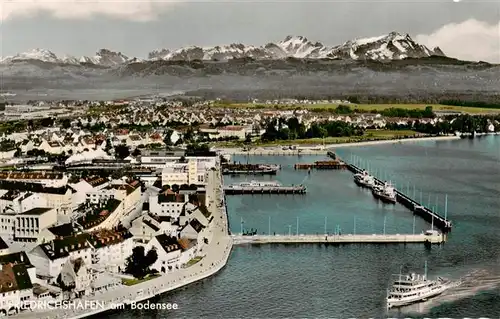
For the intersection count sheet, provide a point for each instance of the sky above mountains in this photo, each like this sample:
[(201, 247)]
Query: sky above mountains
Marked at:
[(468, 29)]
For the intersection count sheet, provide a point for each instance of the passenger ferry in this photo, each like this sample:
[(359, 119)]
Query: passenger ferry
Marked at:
[(414, 288)]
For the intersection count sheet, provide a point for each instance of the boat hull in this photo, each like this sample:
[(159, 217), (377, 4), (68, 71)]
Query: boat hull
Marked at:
[(409, 301), (386, 199), (363, 184)]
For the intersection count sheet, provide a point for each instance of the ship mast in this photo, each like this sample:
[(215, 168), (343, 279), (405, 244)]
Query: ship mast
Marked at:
[(425, 271)]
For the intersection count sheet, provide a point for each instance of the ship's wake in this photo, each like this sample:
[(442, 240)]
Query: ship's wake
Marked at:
[(466, 286)]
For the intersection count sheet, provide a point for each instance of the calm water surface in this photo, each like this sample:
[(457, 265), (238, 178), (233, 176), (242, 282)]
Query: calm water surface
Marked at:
[(350, 281)]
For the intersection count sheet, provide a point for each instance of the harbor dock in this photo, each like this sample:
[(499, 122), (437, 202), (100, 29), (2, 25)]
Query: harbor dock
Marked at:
[(435, 238), (321, 165), (249, 169), (240, 190), (418, 209)]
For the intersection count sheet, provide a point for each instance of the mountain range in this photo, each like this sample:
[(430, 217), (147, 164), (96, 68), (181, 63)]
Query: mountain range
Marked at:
[(393, 46)]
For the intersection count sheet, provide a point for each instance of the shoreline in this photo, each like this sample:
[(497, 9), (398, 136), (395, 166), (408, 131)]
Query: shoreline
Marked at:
[(323, 149), (215, 259)]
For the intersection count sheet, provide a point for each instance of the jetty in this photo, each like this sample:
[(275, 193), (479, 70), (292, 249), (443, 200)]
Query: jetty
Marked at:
[(275, 151), (425, 238), (249, 169), (417, 208), (237, 189), (321, 165)]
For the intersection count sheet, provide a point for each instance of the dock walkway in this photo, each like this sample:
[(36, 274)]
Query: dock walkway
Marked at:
[(239, 190), (413, 205), (436, 238)]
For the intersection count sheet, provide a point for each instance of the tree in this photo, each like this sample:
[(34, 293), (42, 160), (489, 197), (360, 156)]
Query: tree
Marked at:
[(46, 122), (122, 151), (167, 138), (139, 262), (66, 123), (248, 139), (136, 152)]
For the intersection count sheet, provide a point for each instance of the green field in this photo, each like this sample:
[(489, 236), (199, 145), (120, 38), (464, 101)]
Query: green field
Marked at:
[(370, 135), (193, 261), (364, 107)]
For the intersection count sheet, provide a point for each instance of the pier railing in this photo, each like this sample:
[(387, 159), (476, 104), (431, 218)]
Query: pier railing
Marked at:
[(419, 209), (434, 238)]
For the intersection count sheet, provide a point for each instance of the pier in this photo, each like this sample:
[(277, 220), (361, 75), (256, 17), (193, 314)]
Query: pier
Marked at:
[(321, 165), (417, 208), (240, 190), (249, 169), (434, 238)]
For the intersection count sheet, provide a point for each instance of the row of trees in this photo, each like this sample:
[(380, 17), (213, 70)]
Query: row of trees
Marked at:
[(389, 112), (281, 129), (463, 123)]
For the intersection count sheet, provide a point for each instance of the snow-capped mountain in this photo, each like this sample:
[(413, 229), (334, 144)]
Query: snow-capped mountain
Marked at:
[(300, 47), (106, 57), (35, 54), (103, 57), (393, 46)]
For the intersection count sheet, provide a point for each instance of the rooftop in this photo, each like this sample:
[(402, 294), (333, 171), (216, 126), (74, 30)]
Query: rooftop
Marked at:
[(32, 187), (37, 211), (61, 247), (95, 181), (107, 237), (99, 214), (168, 243), (171, 198), (64, 230)]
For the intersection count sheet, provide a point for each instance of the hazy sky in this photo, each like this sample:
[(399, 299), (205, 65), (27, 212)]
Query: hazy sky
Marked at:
[(468, 29)]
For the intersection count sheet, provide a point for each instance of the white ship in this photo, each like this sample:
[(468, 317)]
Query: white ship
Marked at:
[(414, 288), (256, 184), (364, 179), (386, 193)]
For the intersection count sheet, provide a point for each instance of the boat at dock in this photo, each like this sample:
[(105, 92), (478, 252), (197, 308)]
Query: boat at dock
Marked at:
[(385, 193), (364, 179), (270, 187), (250, 169), (258, 184), (413, 288)]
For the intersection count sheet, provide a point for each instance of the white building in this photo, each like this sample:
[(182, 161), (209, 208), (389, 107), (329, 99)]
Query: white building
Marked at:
[(111, 248), (230, 131), (48, 258), (76, 275), (86, 186), (16, 288), (172, 252), (47, 179), (59, 198), (168, 204), (192, 171), (29, 224)]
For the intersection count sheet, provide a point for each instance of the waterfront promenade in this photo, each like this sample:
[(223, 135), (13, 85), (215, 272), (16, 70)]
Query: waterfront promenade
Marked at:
[(323, 149), (215, 257), (340, 239)]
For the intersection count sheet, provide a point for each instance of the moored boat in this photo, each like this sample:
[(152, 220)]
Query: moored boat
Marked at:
[(412, 288), (388, 194), (364, 179)]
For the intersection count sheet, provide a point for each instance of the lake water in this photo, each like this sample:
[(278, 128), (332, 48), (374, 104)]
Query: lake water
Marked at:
[(351, 280)]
